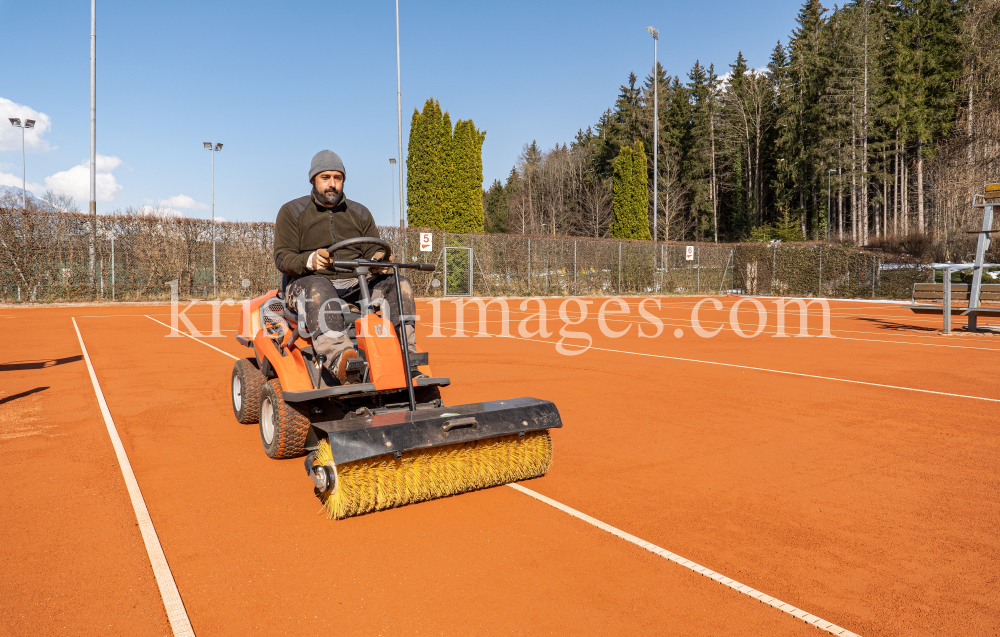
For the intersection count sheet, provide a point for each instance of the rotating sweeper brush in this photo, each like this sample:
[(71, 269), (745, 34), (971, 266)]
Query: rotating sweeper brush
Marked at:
[(388, 440)]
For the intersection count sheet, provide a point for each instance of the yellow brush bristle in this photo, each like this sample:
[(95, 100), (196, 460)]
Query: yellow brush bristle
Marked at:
[(384, 482)]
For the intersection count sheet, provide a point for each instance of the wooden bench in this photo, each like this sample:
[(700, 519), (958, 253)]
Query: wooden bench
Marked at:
[(934, 292), (925, 293)]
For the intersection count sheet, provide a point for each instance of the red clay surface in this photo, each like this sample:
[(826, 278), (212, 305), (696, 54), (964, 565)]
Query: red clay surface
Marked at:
[(872, 507)]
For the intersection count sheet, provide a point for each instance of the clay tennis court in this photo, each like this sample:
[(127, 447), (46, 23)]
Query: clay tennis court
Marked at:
[(853, 478)]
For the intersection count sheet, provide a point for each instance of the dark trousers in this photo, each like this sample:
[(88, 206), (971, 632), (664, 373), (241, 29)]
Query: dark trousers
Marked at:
[(322, 302)]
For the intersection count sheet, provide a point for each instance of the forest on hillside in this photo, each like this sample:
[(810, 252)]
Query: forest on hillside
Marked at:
[(893, 108)]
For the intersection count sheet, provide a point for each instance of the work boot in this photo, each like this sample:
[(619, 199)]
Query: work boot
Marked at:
[(344, 370)]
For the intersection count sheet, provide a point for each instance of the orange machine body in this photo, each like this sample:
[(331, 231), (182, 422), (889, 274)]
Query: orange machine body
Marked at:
[(288, 364), (250, 316), (377, 339)]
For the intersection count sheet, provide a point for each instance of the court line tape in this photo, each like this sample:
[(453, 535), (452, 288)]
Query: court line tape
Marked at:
[(176, 614), (628, 537), (776, 371), (688, 564), (722, 325), (750, 367), (235, 358)]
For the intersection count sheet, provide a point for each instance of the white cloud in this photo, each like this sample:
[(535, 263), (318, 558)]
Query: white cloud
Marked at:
[(75, 182), (167, 213), (10, 136), (8, 179), (183, 201), (728, 75)]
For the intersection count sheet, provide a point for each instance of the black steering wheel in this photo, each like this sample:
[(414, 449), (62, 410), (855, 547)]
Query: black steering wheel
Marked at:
[(340, 245)]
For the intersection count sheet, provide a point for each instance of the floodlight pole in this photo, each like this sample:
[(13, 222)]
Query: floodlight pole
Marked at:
[(28, 123), (392, 180), (656, 131), (93, 134), (828, 173), (24, 205), (215, 289), (399, 121), (213, 148)]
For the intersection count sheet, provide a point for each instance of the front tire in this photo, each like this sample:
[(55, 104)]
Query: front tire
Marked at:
[(247, 385), (283, 428)]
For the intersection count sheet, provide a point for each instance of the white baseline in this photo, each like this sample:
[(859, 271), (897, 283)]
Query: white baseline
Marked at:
[(176, 615)]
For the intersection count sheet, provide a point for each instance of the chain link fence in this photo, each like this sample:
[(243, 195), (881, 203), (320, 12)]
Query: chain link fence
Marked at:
[(64, 257)]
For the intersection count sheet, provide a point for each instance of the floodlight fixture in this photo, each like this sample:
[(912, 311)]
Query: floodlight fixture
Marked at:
[(29, 123), (218, 146), (653, 32), (15, 121), (392, 161), (208, 145)]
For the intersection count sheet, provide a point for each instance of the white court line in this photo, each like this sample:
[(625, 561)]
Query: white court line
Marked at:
[(773, 371), (750, 367), (235, 358), (179, 622), (697, 568), (722, 325), (686, 360), (673, 557)]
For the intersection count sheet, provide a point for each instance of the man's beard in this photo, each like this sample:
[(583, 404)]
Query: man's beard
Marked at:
[(330, 197)]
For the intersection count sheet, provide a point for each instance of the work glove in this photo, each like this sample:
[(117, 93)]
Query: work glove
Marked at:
[(378, 257), (318, 260)]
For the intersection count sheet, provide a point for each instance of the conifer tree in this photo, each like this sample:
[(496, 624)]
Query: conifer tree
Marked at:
[(497, 210), (465, 213), (697, 162), (808, 75), (631, 194), (928, 62), (417, 181)]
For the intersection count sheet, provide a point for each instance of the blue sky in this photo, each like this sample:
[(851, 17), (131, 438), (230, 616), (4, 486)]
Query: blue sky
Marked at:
[(276, 82)]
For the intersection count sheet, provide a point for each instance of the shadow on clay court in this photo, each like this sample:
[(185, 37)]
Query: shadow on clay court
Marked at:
[(52, 362), (13, 397), (893, 325)]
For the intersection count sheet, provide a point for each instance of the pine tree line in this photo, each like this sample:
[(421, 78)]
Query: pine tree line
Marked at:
[(444, 171), (847, 131)]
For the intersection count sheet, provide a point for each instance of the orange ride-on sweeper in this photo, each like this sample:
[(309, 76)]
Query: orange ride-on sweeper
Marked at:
[(388, 440)]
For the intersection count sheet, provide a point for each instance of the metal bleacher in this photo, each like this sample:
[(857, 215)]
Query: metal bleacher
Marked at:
[(974, 294)]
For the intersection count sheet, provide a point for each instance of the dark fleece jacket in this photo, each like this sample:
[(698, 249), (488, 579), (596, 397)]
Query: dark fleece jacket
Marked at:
[(304, 226)]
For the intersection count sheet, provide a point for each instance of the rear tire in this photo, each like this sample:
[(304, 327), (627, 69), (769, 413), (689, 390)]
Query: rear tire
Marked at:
[(283, 428), (247, 385)]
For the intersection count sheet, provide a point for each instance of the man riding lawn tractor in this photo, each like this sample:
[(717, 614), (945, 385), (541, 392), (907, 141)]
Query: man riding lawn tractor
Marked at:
[(334, 380), (305, 227)]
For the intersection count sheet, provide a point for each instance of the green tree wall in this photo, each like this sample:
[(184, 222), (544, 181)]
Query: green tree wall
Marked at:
[(465, 213), (445, 172), (427, 166), (630, 194)]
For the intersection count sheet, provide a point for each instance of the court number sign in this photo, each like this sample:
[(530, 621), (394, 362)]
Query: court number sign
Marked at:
[(426, 239), (689, 253)]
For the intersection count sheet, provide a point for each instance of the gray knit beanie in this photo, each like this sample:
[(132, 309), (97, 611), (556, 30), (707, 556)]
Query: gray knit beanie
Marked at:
[(326, 160)]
